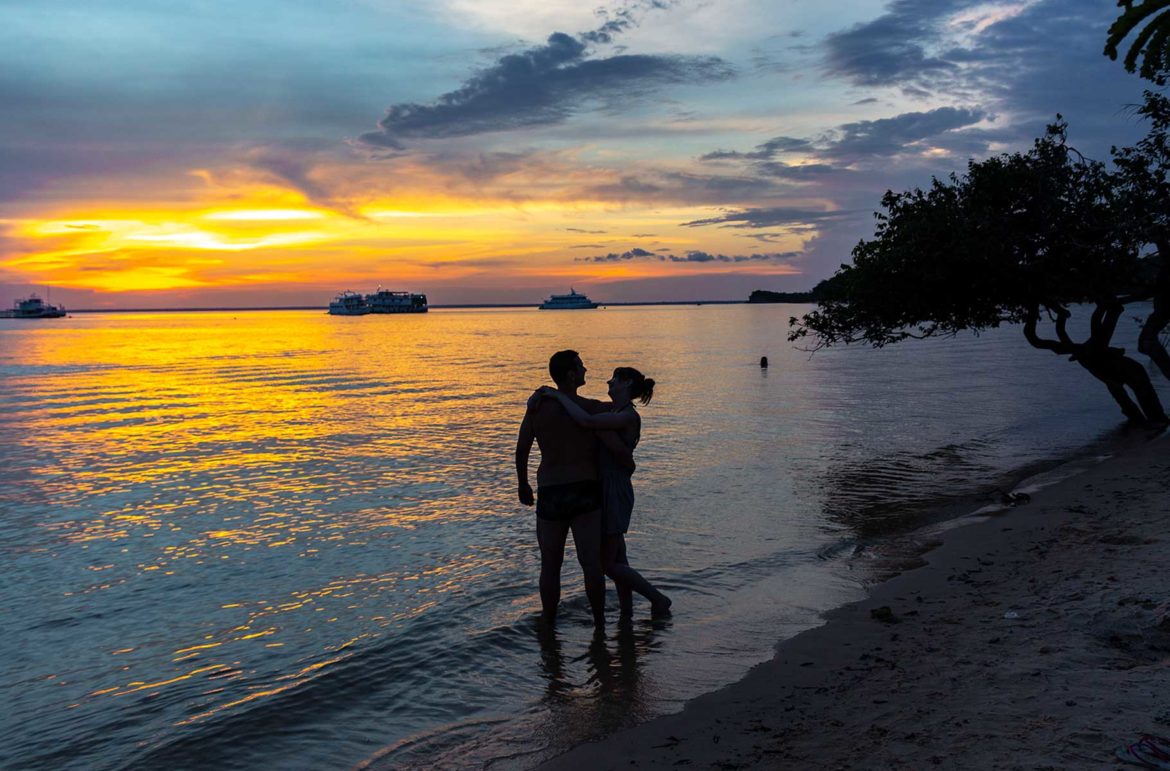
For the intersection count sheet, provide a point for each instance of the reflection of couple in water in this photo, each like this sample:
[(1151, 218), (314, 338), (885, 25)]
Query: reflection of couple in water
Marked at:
[(584, 482)]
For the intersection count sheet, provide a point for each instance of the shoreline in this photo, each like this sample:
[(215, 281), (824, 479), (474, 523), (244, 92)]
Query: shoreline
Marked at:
[(1037, 637), (456, 306)]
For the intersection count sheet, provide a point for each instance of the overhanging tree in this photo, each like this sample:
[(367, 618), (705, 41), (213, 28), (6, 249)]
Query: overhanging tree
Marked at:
[(1021, 237)]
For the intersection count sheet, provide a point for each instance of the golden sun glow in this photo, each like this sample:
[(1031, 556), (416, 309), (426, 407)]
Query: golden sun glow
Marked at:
[(264, 215), (238, 232)]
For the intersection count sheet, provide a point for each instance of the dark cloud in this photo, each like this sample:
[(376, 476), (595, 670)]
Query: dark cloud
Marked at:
[(917, 92), (853, 142), (682, 187), (690, 256), (626, 187), (896, 48), (765, 238), (799, 172), (618, 21), (583, 230), (769, 218), (484, 167), (633, 254), (762, 152), (542, 86), (891, 136), (292, 167), (637, 252), (705, 257)]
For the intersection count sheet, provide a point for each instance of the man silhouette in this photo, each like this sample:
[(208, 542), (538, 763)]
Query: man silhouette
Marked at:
[(568, 491)]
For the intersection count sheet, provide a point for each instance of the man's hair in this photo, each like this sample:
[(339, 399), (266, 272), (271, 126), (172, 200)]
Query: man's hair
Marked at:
[(561, 364)]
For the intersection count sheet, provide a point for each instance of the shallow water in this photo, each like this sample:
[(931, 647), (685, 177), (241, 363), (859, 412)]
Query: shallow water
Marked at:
[(281, 539)]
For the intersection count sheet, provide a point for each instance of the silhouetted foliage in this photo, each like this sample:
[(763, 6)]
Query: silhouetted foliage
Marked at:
[(1143, 181), (1020, 237), (1151, 44)]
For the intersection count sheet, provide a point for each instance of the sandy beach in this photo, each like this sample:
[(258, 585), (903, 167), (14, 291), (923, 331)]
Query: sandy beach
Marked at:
[(1036, 639)]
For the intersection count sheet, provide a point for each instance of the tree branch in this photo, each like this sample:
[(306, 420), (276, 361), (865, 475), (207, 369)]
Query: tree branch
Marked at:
[(1035, 339)]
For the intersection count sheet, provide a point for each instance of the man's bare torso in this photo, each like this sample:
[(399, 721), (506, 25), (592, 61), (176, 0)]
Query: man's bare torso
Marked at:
[(568, 452)]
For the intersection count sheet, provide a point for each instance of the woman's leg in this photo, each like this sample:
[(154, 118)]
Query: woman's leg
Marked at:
[(618, 568), (614, 552)]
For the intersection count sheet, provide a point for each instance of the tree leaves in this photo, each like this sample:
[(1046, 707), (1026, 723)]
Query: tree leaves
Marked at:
[(1152, 43)]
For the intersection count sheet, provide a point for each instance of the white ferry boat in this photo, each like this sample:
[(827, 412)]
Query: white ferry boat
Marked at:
[(572, 301), (33, 307), (385, 301), (348, 304)]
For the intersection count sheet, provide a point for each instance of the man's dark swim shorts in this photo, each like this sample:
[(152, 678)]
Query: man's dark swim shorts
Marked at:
[(563, 502)]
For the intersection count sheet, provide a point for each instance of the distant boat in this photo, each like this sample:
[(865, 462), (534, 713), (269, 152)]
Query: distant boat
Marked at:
[(572, 301), (33, 307), (348, 304), (385, 301)]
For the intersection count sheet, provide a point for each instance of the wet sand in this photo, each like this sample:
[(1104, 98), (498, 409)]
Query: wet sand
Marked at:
[(1037, 639)]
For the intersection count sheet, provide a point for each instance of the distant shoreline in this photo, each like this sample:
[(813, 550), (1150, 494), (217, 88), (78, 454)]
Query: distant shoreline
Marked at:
[(324, 308)]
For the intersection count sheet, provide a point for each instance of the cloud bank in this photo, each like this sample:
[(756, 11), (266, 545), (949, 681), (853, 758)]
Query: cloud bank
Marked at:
[(693, 256), (541, 86), (862, 140)]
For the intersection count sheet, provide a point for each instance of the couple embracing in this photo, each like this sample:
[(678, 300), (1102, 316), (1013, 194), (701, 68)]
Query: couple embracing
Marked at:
[(584, 482)]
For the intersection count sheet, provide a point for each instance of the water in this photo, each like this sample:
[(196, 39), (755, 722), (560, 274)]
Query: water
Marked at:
[(286, 540)]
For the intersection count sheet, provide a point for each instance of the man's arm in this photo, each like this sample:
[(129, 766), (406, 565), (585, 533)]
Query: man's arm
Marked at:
[(523, 450)]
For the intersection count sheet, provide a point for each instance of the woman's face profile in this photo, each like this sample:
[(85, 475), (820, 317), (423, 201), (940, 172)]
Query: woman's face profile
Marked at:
[(616, 384)]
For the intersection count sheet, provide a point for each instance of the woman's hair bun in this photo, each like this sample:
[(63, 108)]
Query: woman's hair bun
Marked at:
[(647, 391)]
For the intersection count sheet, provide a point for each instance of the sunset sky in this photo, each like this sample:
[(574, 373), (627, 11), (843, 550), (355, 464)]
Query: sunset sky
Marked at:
[(198, 153)]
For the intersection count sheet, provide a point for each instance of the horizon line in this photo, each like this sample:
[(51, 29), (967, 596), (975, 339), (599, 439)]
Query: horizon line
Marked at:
[(213, 309)]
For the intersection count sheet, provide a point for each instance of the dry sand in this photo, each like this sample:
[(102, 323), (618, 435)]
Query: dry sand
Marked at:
[(1038, 639)]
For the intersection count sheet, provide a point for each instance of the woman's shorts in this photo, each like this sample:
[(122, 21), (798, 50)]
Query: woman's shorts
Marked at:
[(563, 502)]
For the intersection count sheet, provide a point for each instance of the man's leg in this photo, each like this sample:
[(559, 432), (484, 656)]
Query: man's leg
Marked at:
[(587, 540), (551, 535)]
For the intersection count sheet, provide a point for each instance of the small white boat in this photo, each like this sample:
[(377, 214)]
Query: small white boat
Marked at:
[(385, 301), (33, 307), (572, 301), (348, 304)]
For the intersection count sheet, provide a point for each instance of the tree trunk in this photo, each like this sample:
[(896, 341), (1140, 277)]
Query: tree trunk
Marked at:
[(1109, 365), (1148, 341), (1118, 371)]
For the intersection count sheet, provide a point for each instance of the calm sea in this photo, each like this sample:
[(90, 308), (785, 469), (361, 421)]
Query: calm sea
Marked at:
[(286, 540)]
